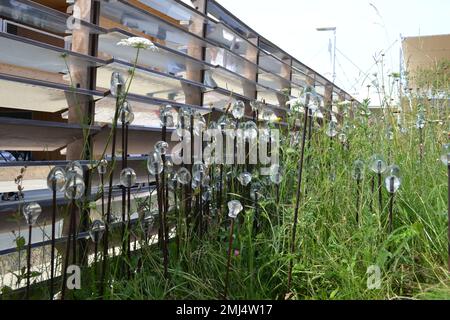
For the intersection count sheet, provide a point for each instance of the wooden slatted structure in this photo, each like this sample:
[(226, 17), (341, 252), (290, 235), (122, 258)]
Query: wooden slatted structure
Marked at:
[(54, 81)]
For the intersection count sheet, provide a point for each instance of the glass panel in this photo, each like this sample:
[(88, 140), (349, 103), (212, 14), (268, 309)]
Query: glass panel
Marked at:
[(230, 20), (300, 67), (224, 58), (296, 91), (146, 111), (163, 60), (320, 89), (299, 78), (217, 100), (42, 17), (272, 81), (146, 83), (145, 114), (270, 97), (35, 95), (27, 53), (178, 11), (225, 37), (268, 47), (121, 15), (270, 64), (233, 82)]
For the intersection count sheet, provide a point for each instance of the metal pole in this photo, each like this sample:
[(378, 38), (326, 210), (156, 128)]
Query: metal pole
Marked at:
[(29, 261), (52, 253), (334, 58), (299, 185), (448, 225)]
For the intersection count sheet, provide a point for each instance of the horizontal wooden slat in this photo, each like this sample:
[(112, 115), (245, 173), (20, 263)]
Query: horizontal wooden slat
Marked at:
[(141, 140), (34, 135)]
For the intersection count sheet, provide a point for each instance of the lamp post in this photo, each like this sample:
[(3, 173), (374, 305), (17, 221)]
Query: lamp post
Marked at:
[(334, 48)]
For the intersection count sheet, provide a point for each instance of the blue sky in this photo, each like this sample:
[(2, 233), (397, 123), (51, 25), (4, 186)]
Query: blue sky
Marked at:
[(364, 29)]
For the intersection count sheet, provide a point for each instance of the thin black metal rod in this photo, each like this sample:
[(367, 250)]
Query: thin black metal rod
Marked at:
[(162, 224), (299, 185), (448, 213), (52, 253), (66, 258), (95, 250), (102, 178), (391, 205), (165, 201), (256, 217), (111, 177), (380, 193), (230, 246), (372, 189), (421, 144), (129, 231), (308, 159), (29, 261), (124, 191), (74, 239), (358, 195)]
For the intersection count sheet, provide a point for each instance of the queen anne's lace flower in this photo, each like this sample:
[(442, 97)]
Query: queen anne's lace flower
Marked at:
[(138, 43)]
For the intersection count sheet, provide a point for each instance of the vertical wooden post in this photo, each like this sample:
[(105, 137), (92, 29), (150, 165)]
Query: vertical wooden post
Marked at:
[(82, 108), (286, 73), (194, 95), (251, 73)]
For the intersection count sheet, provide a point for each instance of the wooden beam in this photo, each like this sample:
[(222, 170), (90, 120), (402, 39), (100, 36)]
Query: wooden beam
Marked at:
[(79, 111), (30, 73), (197, 26)]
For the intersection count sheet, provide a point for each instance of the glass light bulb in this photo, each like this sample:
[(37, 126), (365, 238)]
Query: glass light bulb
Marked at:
[(161, 147), (56, 176), (377, 164), (332, 129), (254, 190), (102, 166), (97, 230), (74, 167), (276, 174), (183, 176), (207, 194), (245, 178), (31, 212), (116, 80), (445, 154), (198, 171), (127, 178), (234, 208), (250, 131), (154, 163), (238, 110), (358, 170), (342, 138), (420, 123), (166, 116), (126, 114), (392, 184), (74, 187)]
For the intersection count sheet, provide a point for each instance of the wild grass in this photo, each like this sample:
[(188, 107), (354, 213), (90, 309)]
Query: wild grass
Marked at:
[(333, 252)]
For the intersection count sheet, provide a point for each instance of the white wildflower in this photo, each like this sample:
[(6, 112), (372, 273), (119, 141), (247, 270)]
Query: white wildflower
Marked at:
[(138, 43)]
